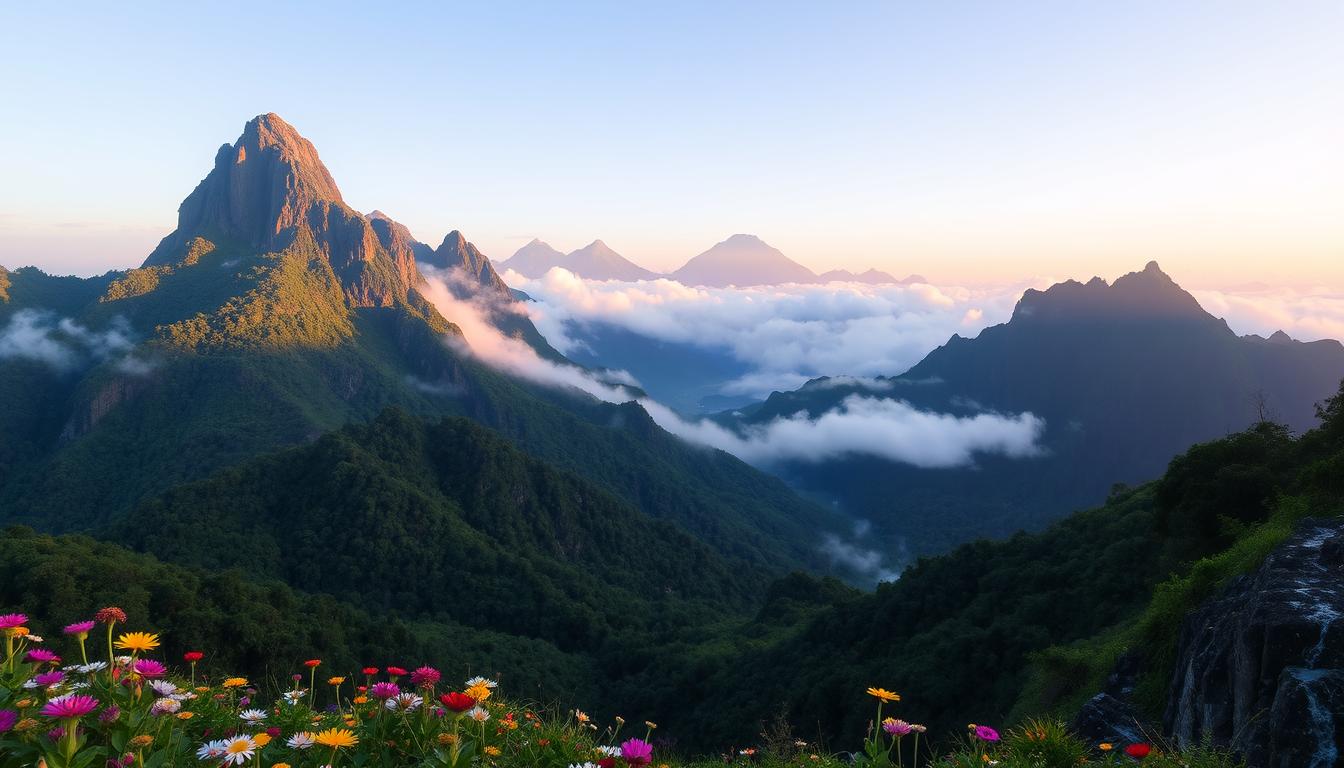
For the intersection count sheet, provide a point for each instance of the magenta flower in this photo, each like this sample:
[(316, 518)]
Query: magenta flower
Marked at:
[(895, 727), (110, 714), (985, 733), (384, 690), (56, 734), (79, 628), (12, 620), (8, 718), (425, 677), (42, 656), (47, 679), (637, 752), (150, 668), (74, 706)]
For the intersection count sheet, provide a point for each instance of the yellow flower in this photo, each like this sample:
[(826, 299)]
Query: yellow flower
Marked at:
[(335, 680), (883, 694), (447, 738), (1106, 746), (336, 738), (262, 739), (143, 740), (492, 751), (137, 641), (361, 699), (479, 692), (580, 715), (235, 682), (23, 703), (27, 724), (18, 631), (280, 765), (185, 715)]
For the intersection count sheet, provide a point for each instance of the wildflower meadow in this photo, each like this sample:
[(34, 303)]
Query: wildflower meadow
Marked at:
[(95, 696)]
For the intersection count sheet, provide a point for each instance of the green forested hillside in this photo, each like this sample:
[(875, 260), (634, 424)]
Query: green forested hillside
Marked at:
[(445, 520), (245, 623), (997, 631)]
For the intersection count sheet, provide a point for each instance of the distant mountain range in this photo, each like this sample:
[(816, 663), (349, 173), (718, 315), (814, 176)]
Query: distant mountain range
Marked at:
[(741, 260), (1126, 375)]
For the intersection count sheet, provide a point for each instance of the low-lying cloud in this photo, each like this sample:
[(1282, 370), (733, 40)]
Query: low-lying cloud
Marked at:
[(67, 345), (787, 334), (888, 428), (1306, 314)]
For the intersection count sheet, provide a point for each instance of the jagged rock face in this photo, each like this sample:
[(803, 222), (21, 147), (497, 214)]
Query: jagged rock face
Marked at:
[(1110, 716), (455, 253), (260, 189), (270, 191), (1261, 668)]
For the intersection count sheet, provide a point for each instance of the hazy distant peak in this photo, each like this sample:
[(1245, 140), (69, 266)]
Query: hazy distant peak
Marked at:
[(743, 260)]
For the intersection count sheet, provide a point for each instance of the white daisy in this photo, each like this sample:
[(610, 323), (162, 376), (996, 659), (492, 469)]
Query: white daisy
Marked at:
[(478, 714), (238, 750), (211, 749), (163, 687), (404, 702), (478, 680), (253, 715), (165, 706), (301, 740)]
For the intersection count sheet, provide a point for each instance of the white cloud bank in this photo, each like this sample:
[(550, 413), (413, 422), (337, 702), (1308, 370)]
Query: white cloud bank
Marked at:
[(65, 344), (786, 334), (1306, 314), (891, 429)]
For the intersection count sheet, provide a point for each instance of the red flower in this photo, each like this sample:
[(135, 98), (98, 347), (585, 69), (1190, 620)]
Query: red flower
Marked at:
[(607, 762), (457, 702), (396, 671), (370, 670), (109, 615), (273, 732), (1139, 750), (312, 663), (193, 656)]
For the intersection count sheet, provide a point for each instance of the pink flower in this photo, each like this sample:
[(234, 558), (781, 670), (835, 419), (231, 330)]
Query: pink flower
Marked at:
[(75, 705), (425, 677), (637, 752), (150, 668), (51, 678), (8, 718), (12, 620), (896, 727), (79, 628), (985, 733), (42, 656), (384, 690)]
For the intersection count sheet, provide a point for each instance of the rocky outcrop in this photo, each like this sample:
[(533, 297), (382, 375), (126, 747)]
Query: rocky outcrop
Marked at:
[(1110, 716), (261, 188), (455, 253), (1261, 668)]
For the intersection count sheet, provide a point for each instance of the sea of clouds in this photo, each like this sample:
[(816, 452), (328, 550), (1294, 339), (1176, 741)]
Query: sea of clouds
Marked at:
[(785, 334), (885, 427)]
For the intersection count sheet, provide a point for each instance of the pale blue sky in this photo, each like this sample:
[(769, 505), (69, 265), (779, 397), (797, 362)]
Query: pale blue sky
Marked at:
[(963, 141)]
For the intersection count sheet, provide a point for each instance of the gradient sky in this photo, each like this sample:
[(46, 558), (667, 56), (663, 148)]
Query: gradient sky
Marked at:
[(964, 141)]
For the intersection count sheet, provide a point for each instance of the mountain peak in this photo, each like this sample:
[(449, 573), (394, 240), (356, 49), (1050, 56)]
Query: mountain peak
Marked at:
[(1145, 295), (261, 187), (743, 260)]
